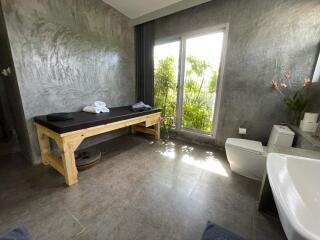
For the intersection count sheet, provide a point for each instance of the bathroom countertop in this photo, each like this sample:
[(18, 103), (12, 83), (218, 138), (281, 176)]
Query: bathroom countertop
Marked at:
[(294, 151), (306, 139)]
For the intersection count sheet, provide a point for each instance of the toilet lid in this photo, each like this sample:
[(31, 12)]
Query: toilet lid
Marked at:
[(246, 145)]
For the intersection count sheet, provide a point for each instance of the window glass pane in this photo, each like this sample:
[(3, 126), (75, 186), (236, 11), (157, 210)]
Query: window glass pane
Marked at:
[(166, 69), (202, 63)]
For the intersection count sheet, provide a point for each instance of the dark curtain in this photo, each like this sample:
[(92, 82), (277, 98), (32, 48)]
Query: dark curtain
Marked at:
[(144, 43)]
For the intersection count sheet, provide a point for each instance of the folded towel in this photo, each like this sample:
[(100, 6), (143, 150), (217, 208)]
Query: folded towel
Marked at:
[(93, 109), (99, 104), (104, 109), (97, 107), (140, 106)]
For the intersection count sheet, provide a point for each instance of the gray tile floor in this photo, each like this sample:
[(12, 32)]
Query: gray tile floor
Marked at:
[(140, 190)]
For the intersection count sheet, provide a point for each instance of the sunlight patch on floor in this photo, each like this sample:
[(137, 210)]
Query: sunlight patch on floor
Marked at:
[(186, 149), (169, 150), (169, 153), (209, 164)]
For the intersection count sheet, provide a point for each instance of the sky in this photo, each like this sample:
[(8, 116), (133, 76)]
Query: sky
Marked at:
[(207, 47)]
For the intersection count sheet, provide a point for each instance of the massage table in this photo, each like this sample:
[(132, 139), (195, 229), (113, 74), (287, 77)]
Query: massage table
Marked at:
[(69, 134)]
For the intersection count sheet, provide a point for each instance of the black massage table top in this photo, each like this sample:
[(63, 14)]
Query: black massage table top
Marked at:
[(83, 120)]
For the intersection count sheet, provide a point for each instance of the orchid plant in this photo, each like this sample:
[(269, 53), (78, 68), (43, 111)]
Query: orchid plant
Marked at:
[(295, 100)]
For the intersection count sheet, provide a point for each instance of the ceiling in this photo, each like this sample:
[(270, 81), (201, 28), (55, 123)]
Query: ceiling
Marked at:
[(146, 10), (137, 8)]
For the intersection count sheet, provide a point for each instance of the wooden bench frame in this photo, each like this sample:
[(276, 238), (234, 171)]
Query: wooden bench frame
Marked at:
[(68, 142)]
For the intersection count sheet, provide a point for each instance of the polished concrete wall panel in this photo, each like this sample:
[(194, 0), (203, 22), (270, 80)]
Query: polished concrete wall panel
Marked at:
[(262, 32), (67, 54)]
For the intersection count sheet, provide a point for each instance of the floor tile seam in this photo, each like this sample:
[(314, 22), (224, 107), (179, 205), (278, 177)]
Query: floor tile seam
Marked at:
[(196, 184), (83, 228)]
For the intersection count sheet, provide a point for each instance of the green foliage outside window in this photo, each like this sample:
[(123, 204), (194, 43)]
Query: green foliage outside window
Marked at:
[(165, 90), (199, 91)]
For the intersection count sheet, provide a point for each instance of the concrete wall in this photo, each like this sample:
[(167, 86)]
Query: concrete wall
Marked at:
[(67, 54), (261, 33)]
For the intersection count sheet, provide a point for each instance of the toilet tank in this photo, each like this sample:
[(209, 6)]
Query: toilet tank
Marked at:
[(281, 136)]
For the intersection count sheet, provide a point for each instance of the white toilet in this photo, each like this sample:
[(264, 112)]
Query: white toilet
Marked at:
[(248, 158)]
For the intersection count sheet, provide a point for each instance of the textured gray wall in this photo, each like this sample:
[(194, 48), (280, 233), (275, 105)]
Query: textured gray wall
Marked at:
[(261, 32), (67, 54)]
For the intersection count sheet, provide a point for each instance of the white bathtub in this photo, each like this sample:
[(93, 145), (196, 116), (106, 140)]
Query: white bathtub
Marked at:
[(295, 183)]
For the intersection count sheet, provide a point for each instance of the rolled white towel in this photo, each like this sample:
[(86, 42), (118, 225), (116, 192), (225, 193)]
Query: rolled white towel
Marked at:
[(104, 109), (99, 104), (91, 109)]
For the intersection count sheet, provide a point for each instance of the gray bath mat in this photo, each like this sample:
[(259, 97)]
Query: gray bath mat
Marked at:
[(215, 232), (16, 234)]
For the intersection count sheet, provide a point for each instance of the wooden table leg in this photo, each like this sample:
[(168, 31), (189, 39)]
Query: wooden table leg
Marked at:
[(69, 165), (44, 144), (133, 131), (67, 148), (157, 129)]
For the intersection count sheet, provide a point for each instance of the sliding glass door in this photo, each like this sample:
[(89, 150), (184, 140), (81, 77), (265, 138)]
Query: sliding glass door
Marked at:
[(202, 63), (186, 80)]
